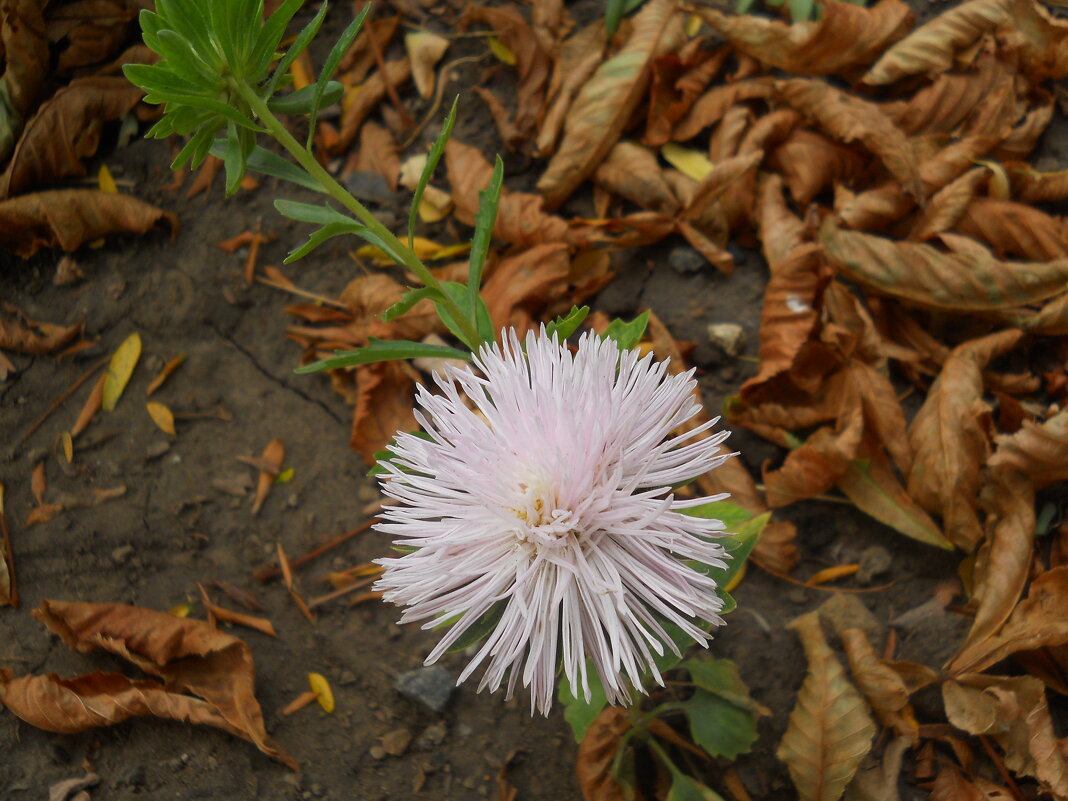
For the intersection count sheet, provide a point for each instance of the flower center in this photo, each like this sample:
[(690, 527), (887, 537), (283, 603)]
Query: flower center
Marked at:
[(541, 523)]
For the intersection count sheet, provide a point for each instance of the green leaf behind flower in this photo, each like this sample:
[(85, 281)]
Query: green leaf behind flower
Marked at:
[(384, 350), (627, 335), (565, 325)]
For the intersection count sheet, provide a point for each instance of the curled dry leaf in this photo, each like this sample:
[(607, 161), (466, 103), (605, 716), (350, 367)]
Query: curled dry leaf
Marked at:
[(949, 439), (884, 688), (579, 56), (711, 107), (1014, 229), (830, 730), (425, 50), (208, 676), (70, 217), (596, 753), (1033, 186), (522, 285), (928, 277), (1038, 450), (24, 335), (632, 171), (24, 42), (848, 118), (606, 101), (378, 153), (272, 457), (810, 163), (1014, 713), (844, 38), (818, 464), (65, 130), (1038, 621), (359, 101), (950, 785), (384, 406), (946, 207)]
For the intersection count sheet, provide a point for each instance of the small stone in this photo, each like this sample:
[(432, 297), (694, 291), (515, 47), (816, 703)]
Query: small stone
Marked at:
[(293, 501), (464, 730), (684, 259), (798, 595), (377, 752), (131, 776), (874, 561), (470, 782), (729, 337), (347, 678), (156, 449), (432, 736), (213, 763), (396, 742), (369, 186), (121, 554), (429, 686)]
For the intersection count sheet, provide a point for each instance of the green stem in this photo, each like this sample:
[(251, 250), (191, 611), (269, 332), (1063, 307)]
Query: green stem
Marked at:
[(306, 160)]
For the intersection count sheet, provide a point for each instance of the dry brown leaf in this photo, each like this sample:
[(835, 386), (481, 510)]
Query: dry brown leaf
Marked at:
[(810, 163), (24, 335), (606, 101), (359, 101), (1039, 621), (830, 731), (65, 130), (425, 50), (848, 118), (359, 60), (92, 30), (532, 62), (678, 80), (1023, 138), (91, 407), (208, 675), (1014, 230), (1013, 712), (509, 132), (818, 464), (632, 171), (384, 406), (932, 48), (596, 753), (579, 56), (522, 285), (950, 785), (845, 37), (70, 217), (378, 153), (1039, 451), (711, 107), (24, 42), (946, 206), (949, 438), (923, 275), (729, 133), (273, 456), (1033, 186), (883, 686)]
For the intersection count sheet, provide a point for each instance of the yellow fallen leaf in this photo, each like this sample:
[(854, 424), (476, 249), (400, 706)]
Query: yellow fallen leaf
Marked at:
[(323, 694), (96, 244), (120, 369), (161, 416), (686, 160), (68, 446), (285, 476), (424, 249), (164, 374), (693, 25), (425, 49), (181, 610), (106, 182), (832, 573), (501, 51), (435, 205)]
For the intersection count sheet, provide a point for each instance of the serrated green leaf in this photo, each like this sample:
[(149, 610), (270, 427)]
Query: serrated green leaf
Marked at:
[(566, 325), (627, 335), (330, 66), (488, 200), (432, 160), (384, 350)]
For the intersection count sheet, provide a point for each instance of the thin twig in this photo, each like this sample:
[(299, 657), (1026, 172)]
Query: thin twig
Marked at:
[(805, 584), (1005, 775), (266, 573), (391, 90), (443, 79), (356, 585), (66, 394), (304, 293)]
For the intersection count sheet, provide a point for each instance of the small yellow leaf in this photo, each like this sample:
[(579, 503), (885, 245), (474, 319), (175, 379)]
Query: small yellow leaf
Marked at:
[(68, 446), (299, 71), (96, 244), (686, 160), (424, 249), (161, 416), (435, 205), (998, 186), (106, 182), (447, 252), (501, 51), (321, 687), (285, 476), (693, 25), (832, 573), (181, 610), (120, 369)]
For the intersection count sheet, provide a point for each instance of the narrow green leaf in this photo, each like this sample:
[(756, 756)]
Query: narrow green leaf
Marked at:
[(311, 213), (743, 6), (264, 161), (215, 106), (565, 326), (317, 238), (407, 301), (330, 66), (233, 161), (627, 334), (472, 309), (301, 101), (613, 15), (488, 200), (801, 10), (383, 350), (271, 34), (383, 456), (299, 46), (431, 164)]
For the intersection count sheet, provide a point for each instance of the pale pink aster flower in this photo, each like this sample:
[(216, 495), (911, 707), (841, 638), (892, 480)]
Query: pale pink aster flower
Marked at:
[(554, 500)]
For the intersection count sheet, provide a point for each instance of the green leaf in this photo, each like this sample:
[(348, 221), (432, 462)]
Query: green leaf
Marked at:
[(488, 199), (299, 45), (271, 34), (215, 106), (627, 335), (683, 788), (330, 66), (743, 6), (407, 301), (613, 15), (431, 164), (302, 100), (264, 161), (729, 513), (386, 455), (478, 630), (384, 350), (473, 309), (723, 718), (565, 326), (233, 161), (801, 10), (738, 546), (311, 213), (324, 234), (577, 712)]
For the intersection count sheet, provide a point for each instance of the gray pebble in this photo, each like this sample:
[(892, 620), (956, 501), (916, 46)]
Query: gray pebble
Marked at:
[(684, 259), (874, 561), (429, 686), (121, 554)]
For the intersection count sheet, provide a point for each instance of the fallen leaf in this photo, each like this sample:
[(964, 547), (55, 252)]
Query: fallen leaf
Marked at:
[(848, 118), (91, 31), (677, 81), (24, 40), (323, 694), (844, 38), (1039, 451), (66, 789), (690, 162), (359, 101), (120, 369), (24, 335), (931, 278), (579, 55), (208, 675), (384, 406), (949, 439), (810, 163), (950, 785), (9, 590), (596, 754), (360, 57), (884, 688), (830, 730), (879, 781), (1014, 229), (606, 101), (65, 130), (631, 171), (70, 217), (91, 407), (710, 107), (161, 416), (164, 374), (425, 50), (1034, 186), (273, 456), (818, 464), (522, 285), (298, 703), (947, 206)]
